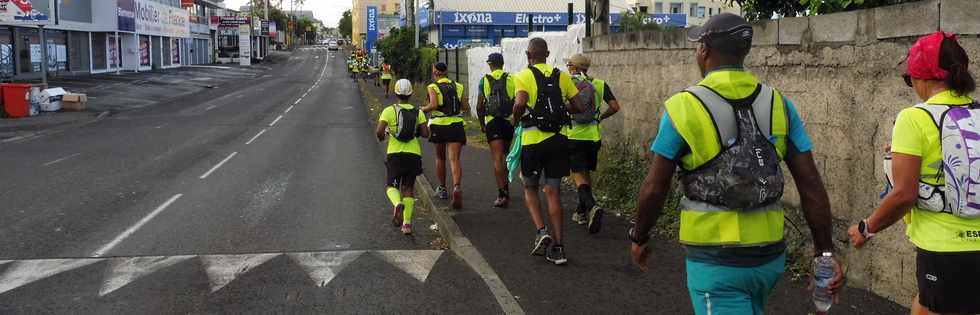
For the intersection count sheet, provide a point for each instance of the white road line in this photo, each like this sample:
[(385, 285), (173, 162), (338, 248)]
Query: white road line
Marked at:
[(275, 121), (137, 226), (160, 126), (61, 159), (210, 107), (255, 137), (298, 100), (289, 108), (215, 168)]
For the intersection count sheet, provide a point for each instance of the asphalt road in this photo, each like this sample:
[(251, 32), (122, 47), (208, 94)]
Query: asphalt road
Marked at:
[(262, 196)]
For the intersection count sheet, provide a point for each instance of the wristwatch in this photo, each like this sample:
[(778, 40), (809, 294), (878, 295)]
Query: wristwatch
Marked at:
[(637, 239), (864, 229)]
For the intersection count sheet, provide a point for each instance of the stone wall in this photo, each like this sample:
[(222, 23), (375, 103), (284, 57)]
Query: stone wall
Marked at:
[(842, 71)]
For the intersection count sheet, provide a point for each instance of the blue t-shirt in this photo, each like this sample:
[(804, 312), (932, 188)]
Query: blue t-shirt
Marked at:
[(669, 142)]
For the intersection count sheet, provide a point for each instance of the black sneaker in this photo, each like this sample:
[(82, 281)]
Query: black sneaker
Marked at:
[(540, 245), (556, 255), (595, 220)]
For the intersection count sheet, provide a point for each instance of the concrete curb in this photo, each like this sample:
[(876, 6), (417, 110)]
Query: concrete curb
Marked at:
[(465, 249)]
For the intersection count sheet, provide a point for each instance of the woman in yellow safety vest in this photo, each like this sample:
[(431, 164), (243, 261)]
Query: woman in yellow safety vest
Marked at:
[(946, 234)]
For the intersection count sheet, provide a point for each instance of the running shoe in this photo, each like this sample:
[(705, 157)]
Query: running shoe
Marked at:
[(441, 193), (457, 201), (396, 216), (579, 218), (556, 255), (407, 229), (501, 202), (540, 244), (595, 219)]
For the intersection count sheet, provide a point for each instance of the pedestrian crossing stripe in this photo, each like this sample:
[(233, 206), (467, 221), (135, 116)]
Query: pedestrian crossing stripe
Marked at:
[(122, 271), (321, 267)]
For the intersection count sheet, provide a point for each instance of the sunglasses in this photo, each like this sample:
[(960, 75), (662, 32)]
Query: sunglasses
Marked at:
[(908, 79)]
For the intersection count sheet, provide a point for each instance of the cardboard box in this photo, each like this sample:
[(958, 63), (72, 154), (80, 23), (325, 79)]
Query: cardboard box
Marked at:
[(74, 102)]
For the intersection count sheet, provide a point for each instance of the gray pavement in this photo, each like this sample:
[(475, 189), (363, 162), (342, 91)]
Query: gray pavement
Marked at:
[(260, 196)]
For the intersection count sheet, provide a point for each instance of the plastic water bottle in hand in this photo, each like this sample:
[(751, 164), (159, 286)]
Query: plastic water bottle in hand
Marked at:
[(823, 273)]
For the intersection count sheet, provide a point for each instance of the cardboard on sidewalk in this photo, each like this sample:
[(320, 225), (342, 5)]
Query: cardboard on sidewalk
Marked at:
[(74, 102)]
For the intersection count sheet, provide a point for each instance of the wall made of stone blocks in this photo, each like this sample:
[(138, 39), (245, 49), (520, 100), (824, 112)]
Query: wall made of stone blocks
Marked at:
[(841, 71)]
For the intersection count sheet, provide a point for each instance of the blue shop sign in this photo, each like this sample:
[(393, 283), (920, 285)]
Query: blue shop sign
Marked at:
[(505, 18)]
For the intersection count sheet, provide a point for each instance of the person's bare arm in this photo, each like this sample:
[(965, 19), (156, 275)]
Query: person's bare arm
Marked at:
[(816, 208), (381, 131), (520, 106), (424, 130), (481, 110), (905, 169), (433, 101), (576, 105), (649, 205), (612, 110)]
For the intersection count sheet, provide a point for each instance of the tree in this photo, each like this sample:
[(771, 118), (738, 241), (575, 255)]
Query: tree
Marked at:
[(398, 50), (345, 25), (637, 21), (764, 9)]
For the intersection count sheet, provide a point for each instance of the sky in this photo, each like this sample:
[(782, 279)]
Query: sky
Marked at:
[(328, 11)]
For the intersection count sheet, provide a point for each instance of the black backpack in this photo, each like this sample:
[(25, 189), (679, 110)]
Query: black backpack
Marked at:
[(406, 121), (549, 113), (499, 103), (450, 99)]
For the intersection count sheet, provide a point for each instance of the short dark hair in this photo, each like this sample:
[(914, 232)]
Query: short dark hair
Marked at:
[(538, 47), (441, 67), (403, 97), (953, 59), (734, 49), (496, 64)]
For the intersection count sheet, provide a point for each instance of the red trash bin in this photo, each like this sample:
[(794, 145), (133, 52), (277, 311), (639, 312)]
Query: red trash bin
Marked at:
[(16, 99)]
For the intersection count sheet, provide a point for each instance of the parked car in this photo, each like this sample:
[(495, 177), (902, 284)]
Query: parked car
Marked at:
[(333, 46)]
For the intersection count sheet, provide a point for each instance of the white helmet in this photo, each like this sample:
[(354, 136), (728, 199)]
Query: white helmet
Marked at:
[(403, 87)]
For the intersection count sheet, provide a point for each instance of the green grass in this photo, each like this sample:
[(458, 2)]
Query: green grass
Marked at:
[(617, 182)]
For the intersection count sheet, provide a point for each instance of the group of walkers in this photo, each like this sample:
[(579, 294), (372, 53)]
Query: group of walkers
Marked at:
[(727, 135)]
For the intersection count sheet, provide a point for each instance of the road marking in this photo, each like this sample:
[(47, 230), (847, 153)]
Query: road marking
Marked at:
[(215, 168), (222, 269), (137, 226), (210, 107), (160, 126), (123, 271), (61, 159), (27, 271), (289, 108), (417, 263), (275, 121), (298, 100), (255, 137), (323, 267)]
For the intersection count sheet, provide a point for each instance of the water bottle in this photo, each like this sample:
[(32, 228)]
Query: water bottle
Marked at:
[(823, 272)]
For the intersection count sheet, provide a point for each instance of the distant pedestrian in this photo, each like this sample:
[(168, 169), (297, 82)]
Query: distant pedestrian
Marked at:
[(731, 218), (402, 124), (933, 179), (585, 138), (447, 103), (386, 76), (542, 102), (495, 106)]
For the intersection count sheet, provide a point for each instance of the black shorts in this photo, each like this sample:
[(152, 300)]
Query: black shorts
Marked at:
[(385, 82), (402, 168), (448, 133), (583, 155), (549, 156), (500, 128), (948, 281)]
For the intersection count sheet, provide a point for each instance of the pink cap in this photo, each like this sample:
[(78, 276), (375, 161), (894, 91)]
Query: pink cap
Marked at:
[(923, 62)]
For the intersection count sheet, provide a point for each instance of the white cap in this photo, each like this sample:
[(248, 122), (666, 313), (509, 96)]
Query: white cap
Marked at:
[(403, 87)]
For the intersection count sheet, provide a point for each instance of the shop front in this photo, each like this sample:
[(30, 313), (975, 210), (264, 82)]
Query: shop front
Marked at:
[(156, 37)]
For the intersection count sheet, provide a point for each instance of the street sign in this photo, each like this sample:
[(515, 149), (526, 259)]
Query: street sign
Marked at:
[(372, 27), (26, 12)]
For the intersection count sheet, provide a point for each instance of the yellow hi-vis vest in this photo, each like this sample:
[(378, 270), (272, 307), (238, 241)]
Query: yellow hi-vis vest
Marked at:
[(703, 118)]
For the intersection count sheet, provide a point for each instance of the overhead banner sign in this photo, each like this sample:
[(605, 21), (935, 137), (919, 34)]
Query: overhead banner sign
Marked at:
[(157, 19), (540, 18), (26, 12), (126, 14), (231, 21), (372, 27)]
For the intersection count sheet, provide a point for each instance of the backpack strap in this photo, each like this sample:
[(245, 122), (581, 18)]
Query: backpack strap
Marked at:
[(723, 115), (937, 112)]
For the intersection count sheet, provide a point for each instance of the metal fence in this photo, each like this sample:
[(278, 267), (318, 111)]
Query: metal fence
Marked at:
[(455, 59)]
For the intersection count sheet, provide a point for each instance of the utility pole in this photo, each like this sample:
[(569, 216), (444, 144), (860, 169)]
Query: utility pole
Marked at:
[(600, 14), (410, 19), (266, 41)]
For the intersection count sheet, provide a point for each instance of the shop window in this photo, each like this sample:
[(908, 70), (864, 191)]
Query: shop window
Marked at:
[(676, 7), (6, 53), (693, 8), (29, 50), (99, 51)]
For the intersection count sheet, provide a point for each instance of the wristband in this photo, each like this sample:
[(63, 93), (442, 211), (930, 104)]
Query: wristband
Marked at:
[(631, 233), (865, 229)]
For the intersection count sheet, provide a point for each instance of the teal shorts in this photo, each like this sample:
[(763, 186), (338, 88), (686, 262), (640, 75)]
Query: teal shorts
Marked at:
[(724, 290)]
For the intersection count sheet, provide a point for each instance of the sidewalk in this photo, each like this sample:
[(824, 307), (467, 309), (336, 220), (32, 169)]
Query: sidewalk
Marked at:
[(110, 93), (599, 278)]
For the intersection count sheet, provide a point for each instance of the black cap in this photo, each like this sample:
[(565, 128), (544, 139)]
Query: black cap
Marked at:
[(725, 26), (495, 58)]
